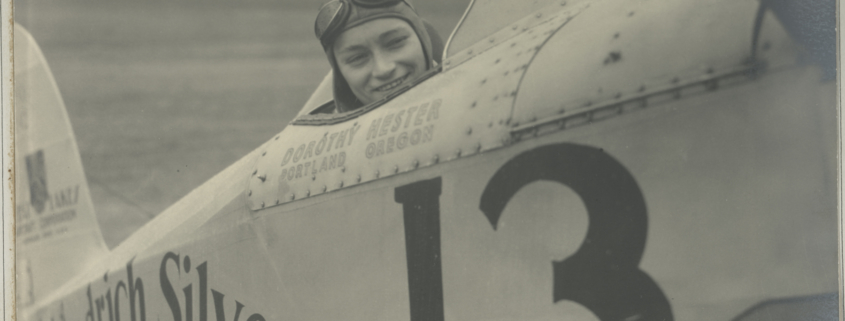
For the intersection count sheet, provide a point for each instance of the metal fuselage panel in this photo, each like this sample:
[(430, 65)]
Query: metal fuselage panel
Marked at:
[(734, 216)]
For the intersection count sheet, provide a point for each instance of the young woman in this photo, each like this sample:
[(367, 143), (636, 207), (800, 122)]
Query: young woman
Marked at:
[(375, 47)]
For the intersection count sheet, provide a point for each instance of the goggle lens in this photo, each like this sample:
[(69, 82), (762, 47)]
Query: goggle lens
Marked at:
[(333, 14), (376, 3), (330, 17)]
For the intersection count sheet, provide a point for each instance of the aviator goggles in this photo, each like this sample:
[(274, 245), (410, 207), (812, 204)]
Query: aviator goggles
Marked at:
[(333, 15)]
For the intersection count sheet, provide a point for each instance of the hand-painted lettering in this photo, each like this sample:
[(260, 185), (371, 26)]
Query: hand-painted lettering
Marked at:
[(421, 115), (309, 151), (331, 139), (415, 136), (402, 140), (397, 121), (320, 145), (341, 139), (104, 307), (104, 301), (390, 142), (298, 154), (373, 131), (305, 168), (410, 115), (434, 112), (385, 124), (392, 123), (352, 132), (287, 157)]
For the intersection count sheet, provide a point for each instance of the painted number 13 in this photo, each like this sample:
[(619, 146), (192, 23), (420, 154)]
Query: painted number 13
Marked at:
[(603, 275)]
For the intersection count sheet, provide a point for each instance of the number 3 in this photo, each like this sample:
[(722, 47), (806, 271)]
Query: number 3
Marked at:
[(603, 275)]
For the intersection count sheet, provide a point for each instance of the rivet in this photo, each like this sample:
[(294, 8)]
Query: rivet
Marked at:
[(343, 169), (496, 98), (415, 164), (277, 138), (616, 35), (492, 40), (513, 44), (313, 177), (677, 94), (515, 27), (710, 70), (435, 159), (262, 178), (497, 61), (473, 105), (483, 81), (563, 3), (469, 52), (447, 62), (250, 193), (561, 124), (395, 169), (469, 130), (262, 204), (539, 15), (618, 95), (307, 193), (506, 73), (278, 202), (340, 185), (324, 188), (490, 125), (533, 119), (358, 179), (630, 13), (292, 196), (515, 124), (588, 104), (254, 172), (524, 28), (377, 174), (478, 147), (458, 153), (264, 153), (513, 93), (675, 80), (642, 88)]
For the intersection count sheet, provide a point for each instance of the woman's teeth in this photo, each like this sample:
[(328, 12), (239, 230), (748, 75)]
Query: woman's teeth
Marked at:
[(391, 85)]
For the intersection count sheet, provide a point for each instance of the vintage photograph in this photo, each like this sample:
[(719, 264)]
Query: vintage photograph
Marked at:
[(426, 160)]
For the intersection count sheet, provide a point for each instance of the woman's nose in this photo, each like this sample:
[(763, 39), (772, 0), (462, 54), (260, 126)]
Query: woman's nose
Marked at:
[(384, 67)]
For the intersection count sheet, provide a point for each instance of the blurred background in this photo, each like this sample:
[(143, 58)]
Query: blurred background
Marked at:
[(162, 95)]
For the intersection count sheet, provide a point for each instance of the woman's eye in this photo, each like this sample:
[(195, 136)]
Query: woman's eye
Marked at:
[(396, 42), (356, 59)]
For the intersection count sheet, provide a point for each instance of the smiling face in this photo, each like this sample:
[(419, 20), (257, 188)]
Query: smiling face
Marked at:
[(377, 57)]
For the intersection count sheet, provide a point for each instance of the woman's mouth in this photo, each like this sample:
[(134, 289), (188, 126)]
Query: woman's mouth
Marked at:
[(393, 84)]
